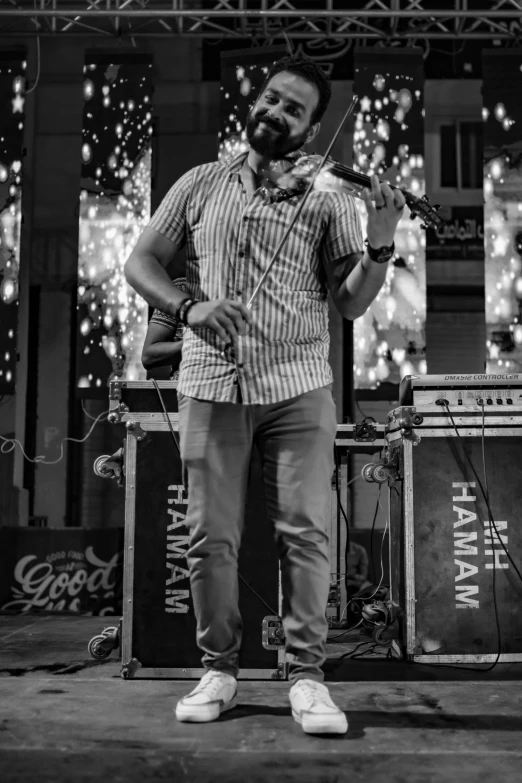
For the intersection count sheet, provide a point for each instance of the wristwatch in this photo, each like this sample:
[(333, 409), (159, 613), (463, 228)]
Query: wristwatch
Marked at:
[(380, 255), (184, 308)]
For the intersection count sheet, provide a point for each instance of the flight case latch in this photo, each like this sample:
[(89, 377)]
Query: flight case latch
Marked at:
[(273, 633)]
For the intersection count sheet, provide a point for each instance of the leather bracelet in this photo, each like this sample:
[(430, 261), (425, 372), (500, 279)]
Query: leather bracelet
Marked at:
[(179, 307), (184, 310)]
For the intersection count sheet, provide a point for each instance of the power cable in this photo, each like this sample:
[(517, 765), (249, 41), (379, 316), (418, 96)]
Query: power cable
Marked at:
[(9, 444), (485, 494), (348, 630), (167, 418), (363, 414), (372, 561), (38, 63), (482, 490)]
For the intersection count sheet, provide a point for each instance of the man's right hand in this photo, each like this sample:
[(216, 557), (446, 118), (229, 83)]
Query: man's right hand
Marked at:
[(227, 318)]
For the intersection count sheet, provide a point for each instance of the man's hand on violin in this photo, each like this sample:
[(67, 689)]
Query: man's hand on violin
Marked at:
[(227, 318), (385, 207)]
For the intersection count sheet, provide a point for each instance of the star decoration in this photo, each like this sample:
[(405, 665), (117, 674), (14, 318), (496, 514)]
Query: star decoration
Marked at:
[(18, 104), (366, 104)]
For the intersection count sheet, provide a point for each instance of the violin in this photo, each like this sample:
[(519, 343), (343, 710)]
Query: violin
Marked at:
[(289, 177)]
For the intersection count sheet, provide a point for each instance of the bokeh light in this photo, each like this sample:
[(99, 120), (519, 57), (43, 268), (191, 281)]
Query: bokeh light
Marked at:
[(114, 209), (12, 99), (389, 340), (502, 114), (242, 75)]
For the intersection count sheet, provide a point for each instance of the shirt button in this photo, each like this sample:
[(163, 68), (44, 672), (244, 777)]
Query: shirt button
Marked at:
[(241, 254), (238, 293), (245, 218)]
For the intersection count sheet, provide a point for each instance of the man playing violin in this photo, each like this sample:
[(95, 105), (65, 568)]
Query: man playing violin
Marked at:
[(272, 386)]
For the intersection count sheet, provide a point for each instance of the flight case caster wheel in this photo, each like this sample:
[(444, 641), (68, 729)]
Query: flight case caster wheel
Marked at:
[(100, 469), (367, 472), (375, 473), (96, 650), (100, 647)]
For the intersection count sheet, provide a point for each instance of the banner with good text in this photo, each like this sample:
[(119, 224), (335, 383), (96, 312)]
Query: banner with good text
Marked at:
[(61, 570)]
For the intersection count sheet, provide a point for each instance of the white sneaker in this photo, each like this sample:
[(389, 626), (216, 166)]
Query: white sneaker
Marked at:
[(215, 693), (314, 709)]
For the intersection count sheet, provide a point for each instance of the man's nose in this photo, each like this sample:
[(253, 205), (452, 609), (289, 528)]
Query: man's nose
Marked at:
[(275, 112)]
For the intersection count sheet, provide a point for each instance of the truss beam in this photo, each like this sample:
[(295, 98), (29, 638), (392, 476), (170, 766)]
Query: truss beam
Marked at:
[(386, 20)]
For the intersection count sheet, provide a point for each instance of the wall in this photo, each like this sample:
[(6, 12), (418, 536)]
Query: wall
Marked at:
[(455, 324), (51, 252), (8, 493)]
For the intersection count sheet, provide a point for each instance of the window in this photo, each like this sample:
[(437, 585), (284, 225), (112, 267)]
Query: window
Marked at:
[(461, 153)]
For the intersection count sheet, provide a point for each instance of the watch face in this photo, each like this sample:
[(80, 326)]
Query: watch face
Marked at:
[(383, 256)]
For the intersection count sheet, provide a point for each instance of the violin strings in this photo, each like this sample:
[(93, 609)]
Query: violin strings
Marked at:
[(356, 176), (413, 202)]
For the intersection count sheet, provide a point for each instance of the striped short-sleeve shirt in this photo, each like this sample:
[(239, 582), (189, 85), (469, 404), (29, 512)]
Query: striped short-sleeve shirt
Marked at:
[(229, 241)]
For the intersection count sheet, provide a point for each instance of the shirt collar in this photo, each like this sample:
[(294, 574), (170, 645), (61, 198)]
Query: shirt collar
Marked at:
[(234, 166)]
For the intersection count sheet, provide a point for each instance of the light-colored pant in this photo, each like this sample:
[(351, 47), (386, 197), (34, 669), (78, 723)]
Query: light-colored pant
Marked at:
[(295, 439)]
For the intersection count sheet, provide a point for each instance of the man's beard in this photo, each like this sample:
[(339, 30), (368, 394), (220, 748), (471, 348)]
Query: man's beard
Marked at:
[(273, 141)]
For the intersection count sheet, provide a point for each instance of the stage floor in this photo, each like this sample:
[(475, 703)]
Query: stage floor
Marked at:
[(65, 717)]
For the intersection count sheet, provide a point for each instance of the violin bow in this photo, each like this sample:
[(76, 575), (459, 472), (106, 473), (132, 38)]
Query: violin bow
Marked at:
[(299, 209)]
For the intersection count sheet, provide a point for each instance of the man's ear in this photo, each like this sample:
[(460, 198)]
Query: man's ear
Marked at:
[(312, 133)]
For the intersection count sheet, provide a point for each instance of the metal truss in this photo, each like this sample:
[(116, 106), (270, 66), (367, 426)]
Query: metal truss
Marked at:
[(267, 20)]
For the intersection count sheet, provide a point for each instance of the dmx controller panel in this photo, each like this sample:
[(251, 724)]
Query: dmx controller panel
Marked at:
[(468, 397), (463, 390)]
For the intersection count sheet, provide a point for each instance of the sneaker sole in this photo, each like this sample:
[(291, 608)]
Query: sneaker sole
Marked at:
[(321, 724), (203, 713)]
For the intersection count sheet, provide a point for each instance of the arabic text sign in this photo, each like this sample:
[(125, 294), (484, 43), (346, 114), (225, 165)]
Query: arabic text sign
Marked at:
[(460, 238)]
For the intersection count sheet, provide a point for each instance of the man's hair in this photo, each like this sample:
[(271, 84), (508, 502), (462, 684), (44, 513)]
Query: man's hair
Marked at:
[(309, 70)]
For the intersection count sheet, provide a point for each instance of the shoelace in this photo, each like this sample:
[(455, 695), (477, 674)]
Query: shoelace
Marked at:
[(212, 682), (315, 695)]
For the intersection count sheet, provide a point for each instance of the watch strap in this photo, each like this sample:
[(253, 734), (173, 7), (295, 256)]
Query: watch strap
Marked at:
[(381, 254)]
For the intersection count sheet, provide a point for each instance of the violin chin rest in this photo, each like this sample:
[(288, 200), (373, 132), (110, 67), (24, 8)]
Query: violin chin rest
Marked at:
[(286, 181)]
